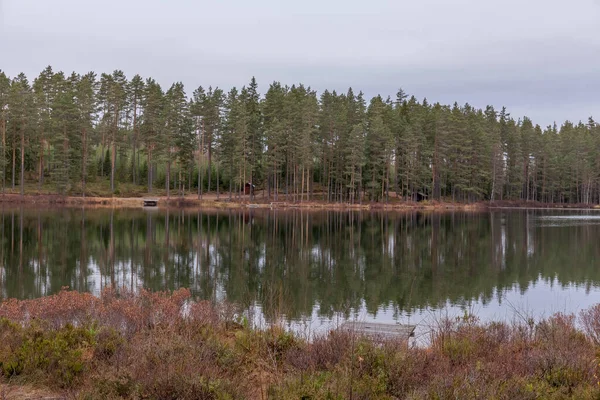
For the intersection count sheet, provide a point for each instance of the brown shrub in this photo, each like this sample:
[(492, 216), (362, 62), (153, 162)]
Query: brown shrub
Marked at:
[(146, 344)]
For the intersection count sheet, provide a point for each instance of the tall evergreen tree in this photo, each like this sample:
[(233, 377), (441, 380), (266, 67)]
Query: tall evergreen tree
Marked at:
[(4, 104), (85, 98), (135, 92), (176, 119), (45, 93), (22, 120), (153, 125)]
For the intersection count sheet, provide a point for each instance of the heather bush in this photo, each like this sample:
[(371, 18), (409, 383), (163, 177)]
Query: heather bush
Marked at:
[(134, 345), (62, 355)]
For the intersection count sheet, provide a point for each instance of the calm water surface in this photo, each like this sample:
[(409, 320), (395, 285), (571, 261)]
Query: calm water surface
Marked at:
[(313, 266)]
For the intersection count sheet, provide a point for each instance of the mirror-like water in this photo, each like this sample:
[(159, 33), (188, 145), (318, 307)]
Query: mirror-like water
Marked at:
[(387, 266)]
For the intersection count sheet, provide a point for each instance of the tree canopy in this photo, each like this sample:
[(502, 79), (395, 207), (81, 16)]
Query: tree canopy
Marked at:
[(62, 132)]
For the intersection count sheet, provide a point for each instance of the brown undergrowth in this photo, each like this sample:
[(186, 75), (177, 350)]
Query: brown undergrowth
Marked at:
[(149, 345)]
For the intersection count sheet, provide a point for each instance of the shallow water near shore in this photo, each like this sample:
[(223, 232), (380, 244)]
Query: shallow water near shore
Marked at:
[(312, 269)]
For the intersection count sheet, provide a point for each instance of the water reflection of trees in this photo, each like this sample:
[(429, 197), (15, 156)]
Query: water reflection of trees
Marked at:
[(291, 262)]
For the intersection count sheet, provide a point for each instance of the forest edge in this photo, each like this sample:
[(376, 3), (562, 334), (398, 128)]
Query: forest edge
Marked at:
[(211, 202)]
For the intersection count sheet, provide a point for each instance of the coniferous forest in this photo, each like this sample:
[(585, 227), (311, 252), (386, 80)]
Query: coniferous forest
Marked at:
[(68, 133)]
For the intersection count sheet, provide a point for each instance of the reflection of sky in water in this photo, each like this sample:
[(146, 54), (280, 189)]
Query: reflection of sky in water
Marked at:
[(548, 221), (542, 299)]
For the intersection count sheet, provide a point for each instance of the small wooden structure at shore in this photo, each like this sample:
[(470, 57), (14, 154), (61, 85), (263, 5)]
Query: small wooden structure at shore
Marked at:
[(150, 202), (380, 332)]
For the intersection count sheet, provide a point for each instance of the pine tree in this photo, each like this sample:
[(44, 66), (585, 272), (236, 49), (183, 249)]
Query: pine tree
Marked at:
[(233, 141), (153, 125), (378, 145), (275, 135), (4, 103), (135, 92), (176, 126), (85, 98), (255, 139), (45, 93), (355, 160), (113, 93), (20, 118), (197, 111), (65, 120)]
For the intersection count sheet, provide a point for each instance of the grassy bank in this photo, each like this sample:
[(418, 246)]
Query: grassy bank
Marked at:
[(129, 199), (163, 346)]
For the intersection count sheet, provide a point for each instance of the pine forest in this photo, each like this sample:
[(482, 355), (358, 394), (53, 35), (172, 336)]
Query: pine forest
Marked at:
[(86, 135)]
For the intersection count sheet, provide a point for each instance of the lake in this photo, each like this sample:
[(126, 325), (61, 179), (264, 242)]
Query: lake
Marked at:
[(314, 266)]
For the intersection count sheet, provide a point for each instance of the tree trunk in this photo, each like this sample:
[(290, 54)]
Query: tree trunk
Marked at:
[(217, 181), (14, 157), (41, 178), (200, 159), (209, 166), (22, 162), (84, 162), (103, 154), (112, 166), (150, 169), (66, 165), (135, 135), (3, 128), (168, 180), (302, 189)]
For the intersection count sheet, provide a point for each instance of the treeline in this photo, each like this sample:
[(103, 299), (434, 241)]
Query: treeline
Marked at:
[(65, 131)]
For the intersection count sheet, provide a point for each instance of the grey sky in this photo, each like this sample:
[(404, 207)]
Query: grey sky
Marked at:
[(540, 58)]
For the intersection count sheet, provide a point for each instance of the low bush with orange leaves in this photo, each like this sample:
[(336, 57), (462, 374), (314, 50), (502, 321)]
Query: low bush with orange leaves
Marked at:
[(161, 345)]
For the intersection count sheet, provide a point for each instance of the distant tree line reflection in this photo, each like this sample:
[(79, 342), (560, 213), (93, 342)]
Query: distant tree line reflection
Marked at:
[(291, 262)]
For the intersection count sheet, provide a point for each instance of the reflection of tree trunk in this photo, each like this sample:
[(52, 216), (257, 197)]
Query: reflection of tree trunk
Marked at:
[(198, 238), (83, 254), (215, 268), (167, 246), (494, 257), (2, 265), (39, 240), (132, 249), (200, 161), (21, 240), (207, 253), (147, 260), (12, 233), (435, 229), (111, 251)]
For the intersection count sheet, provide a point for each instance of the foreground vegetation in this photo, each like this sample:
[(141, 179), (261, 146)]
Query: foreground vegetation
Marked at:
[(76, 131), (159, 345)]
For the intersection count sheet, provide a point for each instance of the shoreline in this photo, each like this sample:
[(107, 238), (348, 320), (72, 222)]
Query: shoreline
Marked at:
[(210, 201)]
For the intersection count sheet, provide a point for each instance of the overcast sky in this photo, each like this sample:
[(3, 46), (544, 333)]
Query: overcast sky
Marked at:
[(539, 58)]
